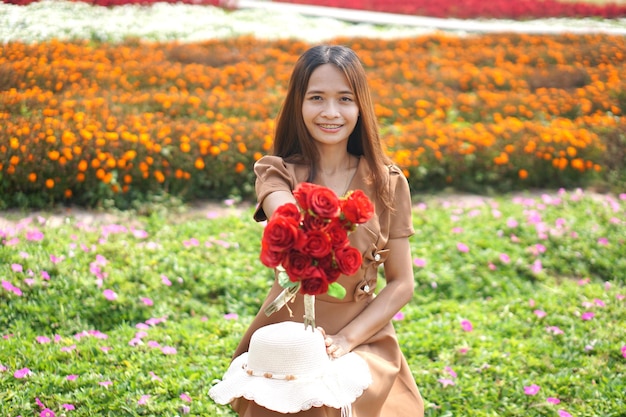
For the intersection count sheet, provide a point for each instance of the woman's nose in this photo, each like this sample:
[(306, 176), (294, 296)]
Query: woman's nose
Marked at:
[(330, 110)]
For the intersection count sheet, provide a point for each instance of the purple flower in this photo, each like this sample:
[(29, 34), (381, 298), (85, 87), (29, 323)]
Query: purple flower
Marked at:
[(588, 315), (109, 295), (419, 262), (531, 389), (446, 382), (466, 325)]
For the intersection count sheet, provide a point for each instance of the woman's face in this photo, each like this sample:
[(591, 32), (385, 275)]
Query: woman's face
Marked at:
[(329, 108)]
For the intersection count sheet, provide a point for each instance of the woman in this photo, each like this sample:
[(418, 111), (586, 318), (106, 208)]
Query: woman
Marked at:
[(327, 134)]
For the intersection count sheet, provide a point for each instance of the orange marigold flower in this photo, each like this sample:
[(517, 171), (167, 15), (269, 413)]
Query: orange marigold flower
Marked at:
[(522, 174), (199, 164), (159, 176), (49, 183), (239, 168), (68, 193), (185, 147), (32, 177)]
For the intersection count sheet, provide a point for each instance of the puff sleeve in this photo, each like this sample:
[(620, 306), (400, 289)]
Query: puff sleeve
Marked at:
[(272, 174), (401, 219)]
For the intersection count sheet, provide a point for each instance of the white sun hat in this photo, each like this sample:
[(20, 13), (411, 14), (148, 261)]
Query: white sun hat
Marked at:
[(288, 370)]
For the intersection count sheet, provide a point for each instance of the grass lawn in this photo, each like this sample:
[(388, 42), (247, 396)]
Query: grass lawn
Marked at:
[(518, 309)]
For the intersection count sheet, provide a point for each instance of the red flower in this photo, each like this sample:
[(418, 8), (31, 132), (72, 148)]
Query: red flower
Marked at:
[(317, 244), (270, 258), (288, 210), (348, 259), (357, 207), (311, 242), (323, 202), (296, 264), (280, 234), (338, 234), (315, 282)]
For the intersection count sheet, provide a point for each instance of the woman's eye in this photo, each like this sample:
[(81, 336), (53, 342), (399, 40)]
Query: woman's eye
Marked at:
[(346, 98)]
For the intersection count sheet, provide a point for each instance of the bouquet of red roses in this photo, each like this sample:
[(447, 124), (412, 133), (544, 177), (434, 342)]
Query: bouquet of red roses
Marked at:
[(309, 242)]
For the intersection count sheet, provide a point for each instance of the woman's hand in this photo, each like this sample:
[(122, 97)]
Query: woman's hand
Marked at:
[(336, 345)]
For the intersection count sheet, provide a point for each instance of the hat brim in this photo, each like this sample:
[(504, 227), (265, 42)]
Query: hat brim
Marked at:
[(339, 385)]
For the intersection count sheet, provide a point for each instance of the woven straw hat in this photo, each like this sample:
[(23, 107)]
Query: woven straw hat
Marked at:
[(287, 370)]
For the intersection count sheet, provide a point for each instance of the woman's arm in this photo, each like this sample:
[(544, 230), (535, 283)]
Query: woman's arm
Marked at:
[(395, 294)]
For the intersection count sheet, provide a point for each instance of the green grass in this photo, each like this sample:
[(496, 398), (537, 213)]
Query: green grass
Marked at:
[(196, 270)]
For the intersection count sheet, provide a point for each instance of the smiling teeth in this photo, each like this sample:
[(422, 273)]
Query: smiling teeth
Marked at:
[(330, 126)]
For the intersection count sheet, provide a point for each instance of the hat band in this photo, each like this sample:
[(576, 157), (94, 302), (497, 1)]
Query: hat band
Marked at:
[(268, 375)]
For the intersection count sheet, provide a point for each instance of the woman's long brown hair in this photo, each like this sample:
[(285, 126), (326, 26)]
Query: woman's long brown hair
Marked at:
[(292, 140)]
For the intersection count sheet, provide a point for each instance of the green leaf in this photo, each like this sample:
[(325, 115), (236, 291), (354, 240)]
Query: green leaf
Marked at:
[(336, 290), (284, 281)]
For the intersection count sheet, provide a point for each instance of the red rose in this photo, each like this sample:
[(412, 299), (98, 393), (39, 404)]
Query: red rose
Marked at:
[(311, 222), (338, 234), (317, 244), (348, 260), (357, 207), (289, 210), (280, 234), (314, 283), (301, 194), (296, 264), (329, 267), (270, 258), (323, 202)]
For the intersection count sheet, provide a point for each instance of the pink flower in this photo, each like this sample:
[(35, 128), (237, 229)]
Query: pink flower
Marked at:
[(511, 223), (419, 262), (42, 339), (450, 371), (531, 389), (462, 247), (466, 325), (603, 241), (185, 397), (624, 351), (143, 400), (17, 268), (109, 295), (105, 383), (540, 313), (536, 267), (588, 315), (71, 377), (39, 403), (563, 413), (21, 373), (166, 281), (147, 301), (504, 258), (231, 316), (446, 382), (553, 400), (46, 412), (554, 330), (168, 350), (398, 316), (68, 407)]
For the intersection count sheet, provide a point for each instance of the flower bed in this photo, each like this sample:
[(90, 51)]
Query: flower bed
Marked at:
[(471, 9), (86, 122)]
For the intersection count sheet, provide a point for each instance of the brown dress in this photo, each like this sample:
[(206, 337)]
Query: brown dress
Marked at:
[(393, 392)]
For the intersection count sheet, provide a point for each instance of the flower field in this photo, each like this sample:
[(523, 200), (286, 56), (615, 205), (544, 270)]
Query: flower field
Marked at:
[(131, 315), (87, 122)]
